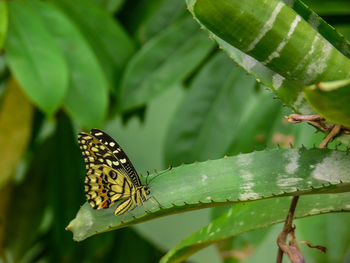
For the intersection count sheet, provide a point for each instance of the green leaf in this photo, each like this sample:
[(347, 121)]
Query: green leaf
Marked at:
[(21, 234), (64, 186), (193, 131), (332, 7), (3, 22), (16, 116), (331, 100), (34, 58), (111, 6), (276, 36), (163, 62), (110, 42), (162, 15), (87, 97), (254, 176), (246, 217), (319, 230), (288, 91)]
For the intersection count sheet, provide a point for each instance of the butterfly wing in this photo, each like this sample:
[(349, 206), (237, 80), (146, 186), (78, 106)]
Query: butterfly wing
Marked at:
[(106, 181), (119, 154), (104, 186)]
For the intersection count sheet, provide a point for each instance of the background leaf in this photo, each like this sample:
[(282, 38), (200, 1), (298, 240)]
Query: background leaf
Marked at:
[(87, 97), (152, 69), (110, 42), (3, 22), (35, 59)]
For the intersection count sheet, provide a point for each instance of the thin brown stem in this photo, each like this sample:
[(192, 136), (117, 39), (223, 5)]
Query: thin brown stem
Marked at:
[(282, 237), (334, 132)]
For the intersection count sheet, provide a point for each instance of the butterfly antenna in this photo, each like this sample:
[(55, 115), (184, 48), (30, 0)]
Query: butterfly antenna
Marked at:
[(167, 170), (147, 177)]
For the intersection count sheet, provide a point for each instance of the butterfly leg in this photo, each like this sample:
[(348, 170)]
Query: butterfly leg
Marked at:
[(152, 198)]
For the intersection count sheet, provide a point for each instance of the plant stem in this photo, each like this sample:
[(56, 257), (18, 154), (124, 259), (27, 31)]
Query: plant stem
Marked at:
[(282, 237)]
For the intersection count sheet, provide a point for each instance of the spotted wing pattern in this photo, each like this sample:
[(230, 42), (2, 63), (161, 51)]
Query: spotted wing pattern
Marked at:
[(118, 153), (107, 180)]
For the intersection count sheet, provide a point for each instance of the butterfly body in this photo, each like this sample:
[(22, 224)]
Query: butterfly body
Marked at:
[(110, 177)]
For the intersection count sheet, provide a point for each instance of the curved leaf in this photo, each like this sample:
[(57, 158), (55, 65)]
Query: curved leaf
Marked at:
[(111, 6), (108, 39), (3, 22), (87, 96), (331, 100), (34, 58), (163, 62), (193, 133), (276, 36), (246, 217), (254, 176), (288, 91)]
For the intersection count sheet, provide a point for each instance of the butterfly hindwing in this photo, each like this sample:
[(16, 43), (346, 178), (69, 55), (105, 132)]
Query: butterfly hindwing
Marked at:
[(105, 186)]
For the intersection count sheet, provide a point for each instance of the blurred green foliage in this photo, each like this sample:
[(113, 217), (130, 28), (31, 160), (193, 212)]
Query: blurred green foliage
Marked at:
[(67, 66)]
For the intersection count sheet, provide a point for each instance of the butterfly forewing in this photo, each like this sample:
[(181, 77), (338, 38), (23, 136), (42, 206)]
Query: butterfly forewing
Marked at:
[(118, 152)]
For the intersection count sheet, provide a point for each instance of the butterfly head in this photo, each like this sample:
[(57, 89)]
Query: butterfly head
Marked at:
[(147, 189)]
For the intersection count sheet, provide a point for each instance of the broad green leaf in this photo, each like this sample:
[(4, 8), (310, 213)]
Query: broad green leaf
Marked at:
[(111, 6), (337, 245), (87, 96), (331, 100), (277, 36), (246, 217), (16, 114), (3, 22), (254, 176), (34, 58), (163, 62), (110, 42), (162, 15)]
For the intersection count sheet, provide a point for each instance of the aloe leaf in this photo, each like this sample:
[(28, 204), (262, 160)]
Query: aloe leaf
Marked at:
[(288, 91), (277, 36), (3, 22), (152, 69), (246, 217), (34, 58), (309, 68), (87, 96), (329, 7), (331, 100), (253, 176)]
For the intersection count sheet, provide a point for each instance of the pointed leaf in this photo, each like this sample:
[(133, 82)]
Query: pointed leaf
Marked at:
[(246, 217), (253, 176), (163, 62)]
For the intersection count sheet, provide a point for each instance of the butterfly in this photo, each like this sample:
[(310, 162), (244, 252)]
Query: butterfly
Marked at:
[(110, 177)]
